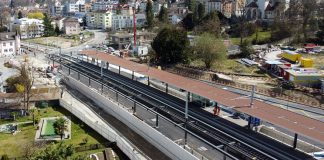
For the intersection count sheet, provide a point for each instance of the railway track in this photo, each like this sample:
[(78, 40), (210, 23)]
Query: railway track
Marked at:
[(234, 139)]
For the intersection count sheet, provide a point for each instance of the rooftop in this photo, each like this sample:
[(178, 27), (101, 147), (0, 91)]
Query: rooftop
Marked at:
[(5, 36), (292, 121)]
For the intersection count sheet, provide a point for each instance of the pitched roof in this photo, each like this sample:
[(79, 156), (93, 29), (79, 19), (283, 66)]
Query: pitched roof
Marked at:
[(253, 5), (4, 36)]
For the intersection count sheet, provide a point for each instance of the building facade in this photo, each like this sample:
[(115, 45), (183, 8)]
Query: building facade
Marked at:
[(99, 19), (71, 26), (9, 44), (28, 28)]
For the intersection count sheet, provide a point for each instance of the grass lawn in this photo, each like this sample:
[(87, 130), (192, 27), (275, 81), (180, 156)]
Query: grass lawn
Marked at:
[(13, 145), (262, 36), (229, 66)]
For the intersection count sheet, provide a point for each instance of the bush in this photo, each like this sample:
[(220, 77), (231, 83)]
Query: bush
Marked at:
[(4, 157)]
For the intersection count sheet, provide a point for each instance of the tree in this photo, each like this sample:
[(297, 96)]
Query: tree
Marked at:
[(58, 151), (60, 126), (320, 33), (163, 15), (210, 23), (57, 30), (27, 81), (191, 5), (48, 28), (201, 11), (36, 15), (4, 157), (149, 14), (20, 15), (84, 21), (188, 22), (209, 49), (246, 49), (170, 45), (122, 1)]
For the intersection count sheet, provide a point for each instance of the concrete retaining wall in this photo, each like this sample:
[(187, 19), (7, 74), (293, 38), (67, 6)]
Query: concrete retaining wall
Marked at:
[(157, 139), (287, 139)]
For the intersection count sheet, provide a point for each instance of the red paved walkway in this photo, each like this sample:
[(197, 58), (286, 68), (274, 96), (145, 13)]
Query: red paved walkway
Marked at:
[(295, 122)]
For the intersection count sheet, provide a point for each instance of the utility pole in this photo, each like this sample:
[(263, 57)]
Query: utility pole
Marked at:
[(252, 96)]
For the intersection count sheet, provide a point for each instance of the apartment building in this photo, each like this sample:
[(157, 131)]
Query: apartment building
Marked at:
[(99, 19), (71, 26), (9, 44), (125, 21), (28, 28)]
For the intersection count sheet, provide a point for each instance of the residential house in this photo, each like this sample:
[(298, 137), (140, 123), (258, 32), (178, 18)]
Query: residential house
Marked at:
[(124, 21), (71, 26), (58, 21), (9, 43), (103, 5), (28, 28), (99, 19), (265, 9), (238, 7), (227, 8), (57, 9), (213, 5)]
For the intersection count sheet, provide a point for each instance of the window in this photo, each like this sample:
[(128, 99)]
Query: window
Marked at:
[(10, 50), (11, 43), (6, 50), (4, 43)]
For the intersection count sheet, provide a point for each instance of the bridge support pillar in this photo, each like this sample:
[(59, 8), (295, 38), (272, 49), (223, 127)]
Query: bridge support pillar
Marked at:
[(134, 108), (101, 71), (157, 121), (118, 69), (102, 87), (107, 65), (295, 141), (166, 88), (148, 81), (132, 75)]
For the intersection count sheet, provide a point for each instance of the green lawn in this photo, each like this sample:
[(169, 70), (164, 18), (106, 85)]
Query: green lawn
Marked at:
[(13, 145), (262, 36)]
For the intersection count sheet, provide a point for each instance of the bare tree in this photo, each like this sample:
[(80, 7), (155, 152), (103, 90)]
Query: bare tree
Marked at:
[(27, 81)]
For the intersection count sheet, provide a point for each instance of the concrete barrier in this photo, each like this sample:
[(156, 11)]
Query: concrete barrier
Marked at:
[(287, 139), (157, 139)]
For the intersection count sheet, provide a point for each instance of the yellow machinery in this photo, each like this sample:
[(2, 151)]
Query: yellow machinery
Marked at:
[(306, 63), (291, 56)]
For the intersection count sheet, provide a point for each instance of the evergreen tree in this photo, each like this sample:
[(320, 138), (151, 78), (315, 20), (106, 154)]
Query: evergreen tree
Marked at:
[(163, 15), (191, 5), (20, 15), (170, 46), (320, 33), (201, 10), (149, 14), (57, 30), (122, 1), (48, 28)]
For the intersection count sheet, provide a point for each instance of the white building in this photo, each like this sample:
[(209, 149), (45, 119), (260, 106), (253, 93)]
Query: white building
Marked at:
[(9, 44), (122, 21), (213, 5), (99, 19), (57, 9), (28, 28), (99, 6)]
